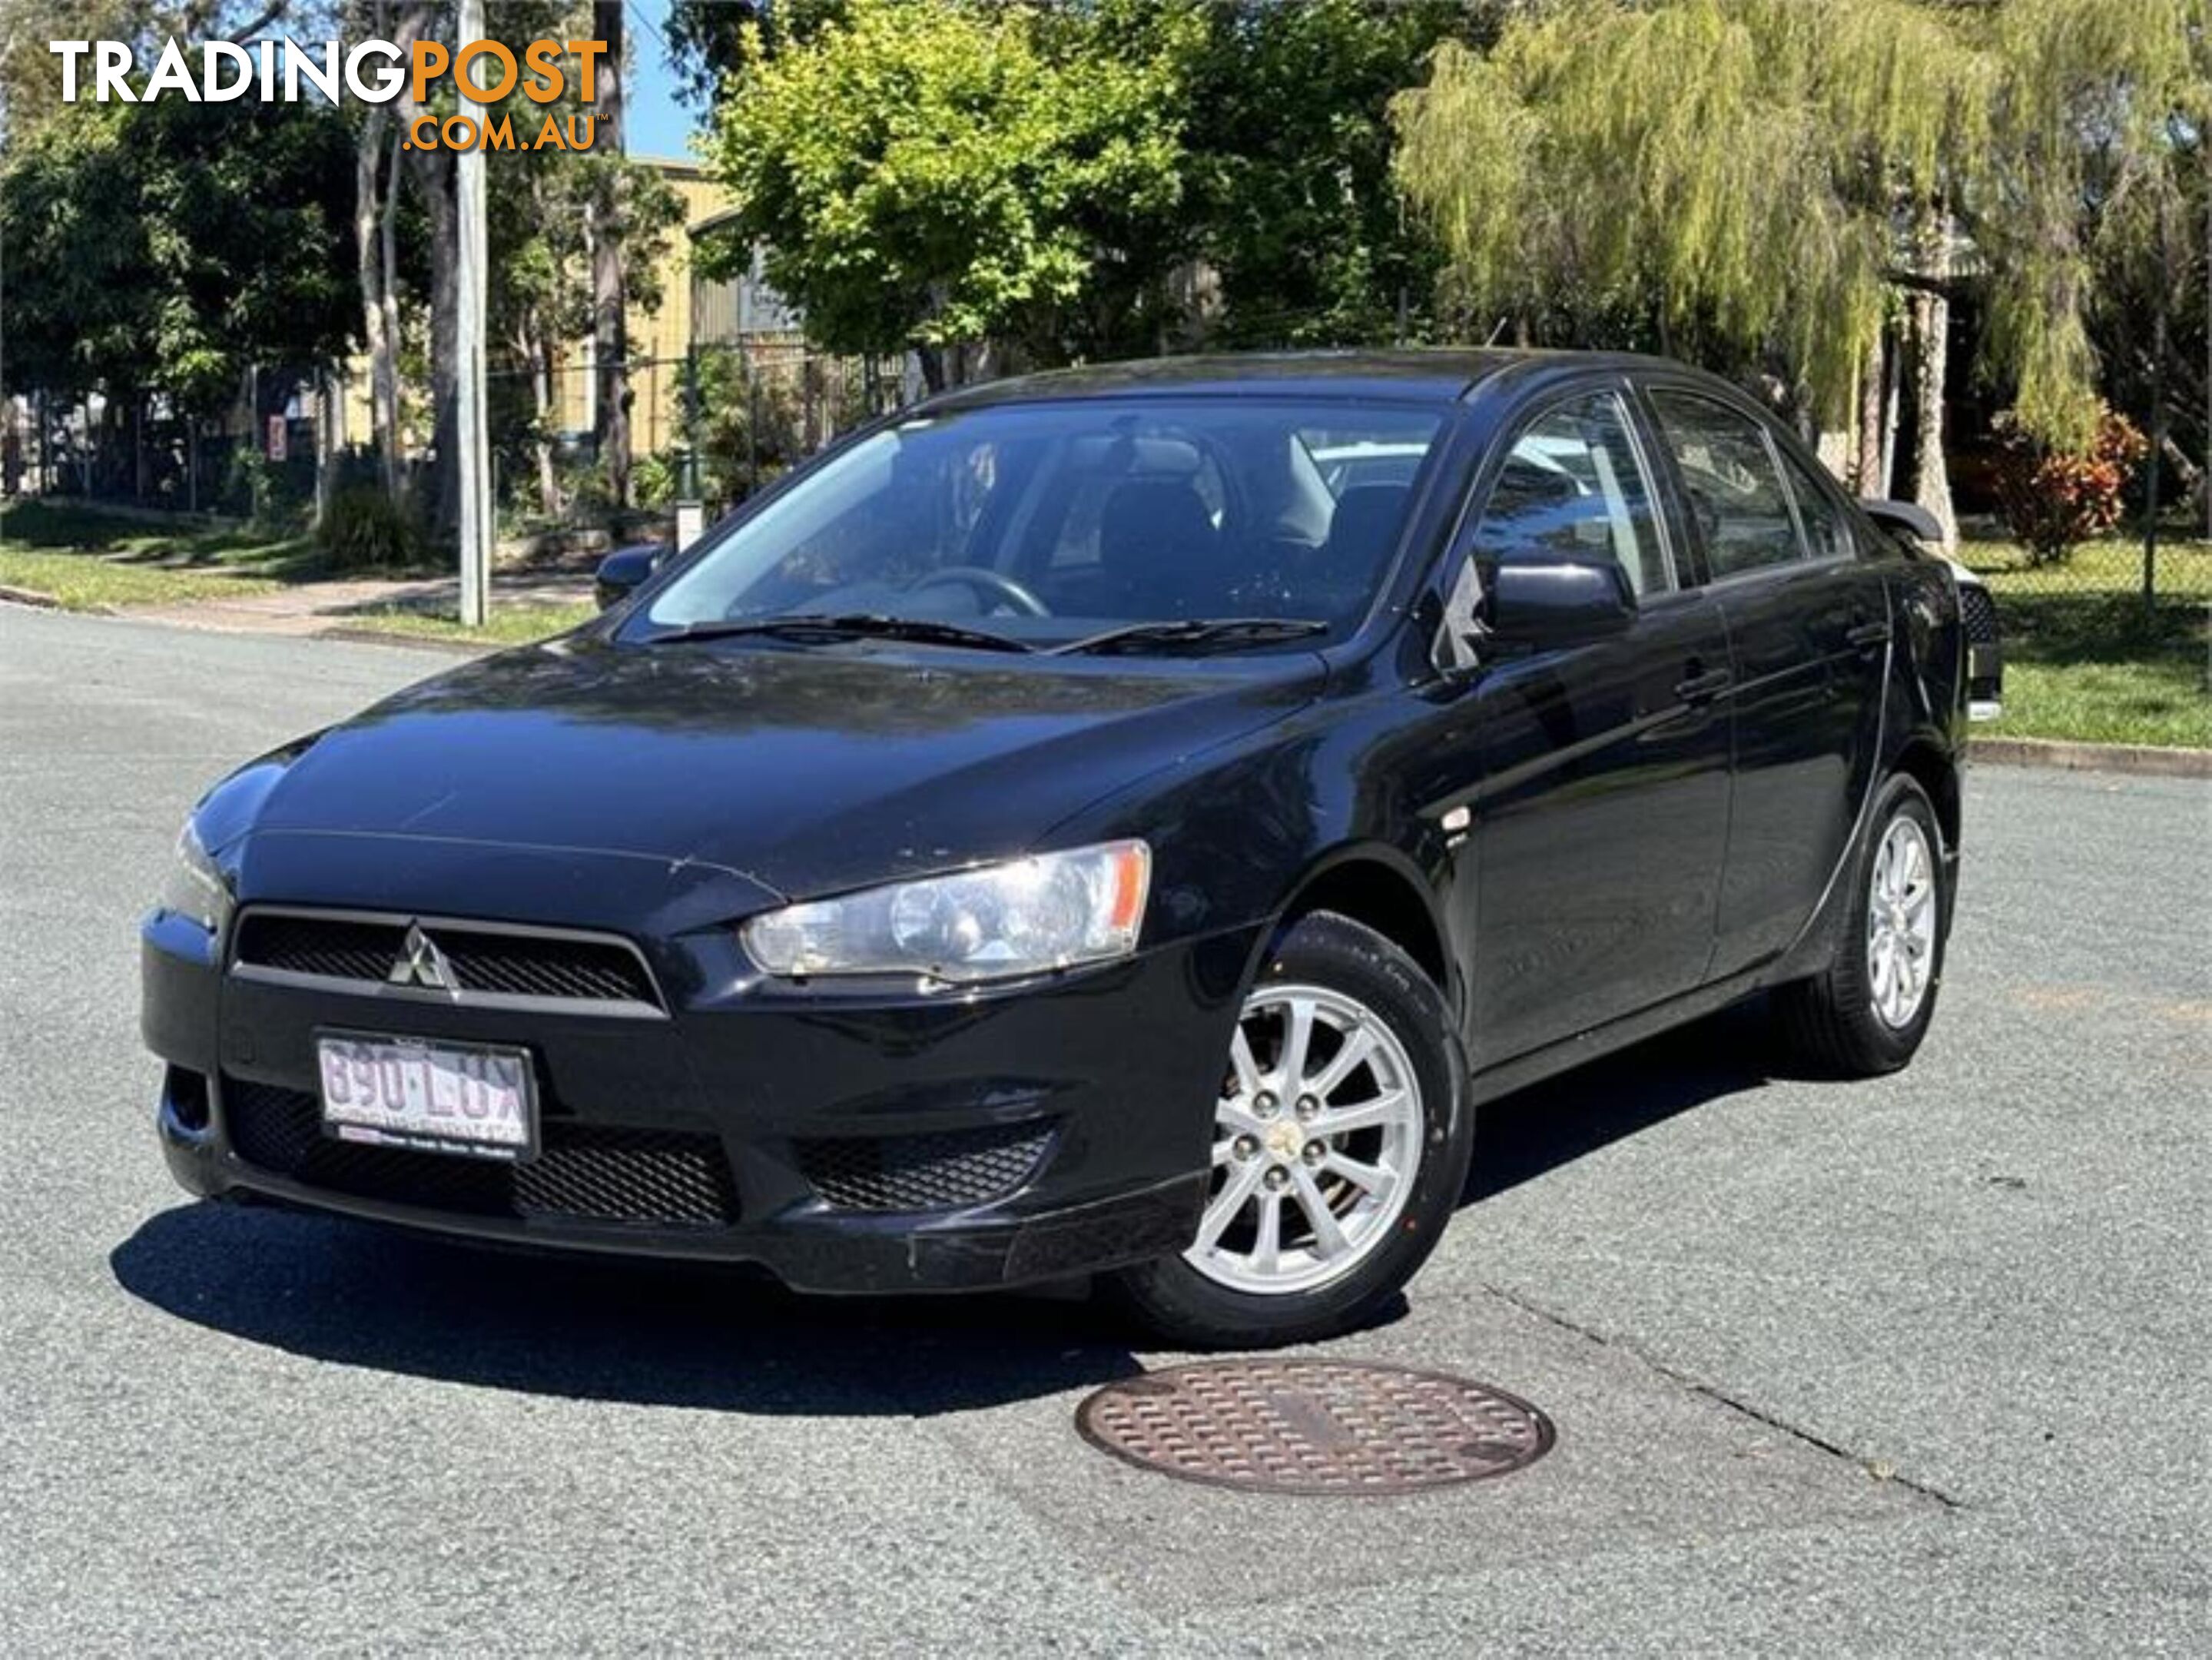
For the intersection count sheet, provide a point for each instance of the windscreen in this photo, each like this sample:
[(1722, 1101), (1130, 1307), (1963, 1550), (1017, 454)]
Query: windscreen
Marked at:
[(1047, 523)]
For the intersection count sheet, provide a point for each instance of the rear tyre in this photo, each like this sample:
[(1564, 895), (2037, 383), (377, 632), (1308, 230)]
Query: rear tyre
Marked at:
[(1342, 1141), (1867, 1012)]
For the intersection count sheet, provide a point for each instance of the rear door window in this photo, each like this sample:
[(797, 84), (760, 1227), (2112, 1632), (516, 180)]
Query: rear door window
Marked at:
[(1730, 482), (1826, 532)]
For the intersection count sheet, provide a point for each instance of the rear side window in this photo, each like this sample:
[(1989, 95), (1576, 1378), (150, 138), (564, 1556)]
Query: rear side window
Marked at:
[(1573, 488), (1826, 532), (1734, 493)]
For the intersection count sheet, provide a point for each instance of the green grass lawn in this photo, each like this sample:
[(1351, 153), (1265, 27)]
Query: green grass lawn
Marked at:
[(2085, 660), (508, 625), (87, 560)]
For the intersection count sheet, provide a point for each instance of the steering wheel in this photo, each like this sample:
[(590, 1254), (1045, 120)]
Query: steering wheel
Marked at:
[(987, 585)]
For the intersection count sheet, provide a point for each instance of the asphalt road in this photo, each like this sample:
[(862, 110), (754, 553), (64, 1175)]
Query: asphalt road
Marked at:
[(1913, 1366)]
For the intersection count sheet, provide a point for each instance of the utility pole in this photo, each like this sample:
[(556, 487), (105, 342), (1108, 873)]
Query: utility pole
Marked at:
[(472, 472)]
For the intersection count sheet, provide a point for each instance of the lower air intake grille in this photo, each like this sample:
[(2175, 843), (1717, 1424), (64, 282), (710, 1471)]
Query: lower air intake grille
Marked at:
[(947, 1170), (1977, 613), (586, 1172)]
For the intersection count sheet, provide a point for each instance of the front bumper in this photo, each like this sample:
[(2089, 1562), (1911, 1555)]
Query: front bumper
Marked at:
[(755, 1122)]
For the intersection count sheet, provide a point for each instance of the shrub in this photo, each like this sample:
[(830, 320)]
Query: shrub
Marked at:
[(2052, 500), (365, 529)]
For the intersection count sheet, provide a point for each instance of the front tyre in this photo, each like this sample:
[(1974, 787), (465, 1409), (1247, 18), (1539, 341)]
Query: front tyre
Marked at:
[(1867, 1014), (1340, 1146)]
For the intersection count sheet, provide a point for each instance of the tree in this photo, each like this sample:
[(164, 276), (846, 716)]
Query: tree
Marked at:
[(1754, 180), (933, 176), (1287, 125), (708, 39), (1724, 172), (168, 246), (542, 292)]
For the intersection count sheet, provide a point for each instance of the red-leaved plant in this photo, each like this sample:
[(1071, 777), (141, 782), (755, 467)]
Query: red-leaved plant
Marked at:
[(2053, 500)]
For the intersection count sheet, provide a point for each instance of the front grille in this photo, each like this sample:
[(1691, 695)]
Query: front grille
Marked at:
[(485, 959), (583, 1173), (1977, 613), (944, 1170)]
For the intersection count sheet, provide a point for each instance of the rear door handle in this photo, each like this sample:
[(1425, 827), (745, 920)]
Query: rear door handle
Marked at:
[(1703, 688), (1868, 634)]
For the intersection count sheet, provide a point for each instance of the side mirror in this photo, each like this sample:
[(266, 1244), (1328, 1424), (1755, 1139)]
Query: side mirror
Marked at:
[(1905, 519), (622, 572), (1561, 603)]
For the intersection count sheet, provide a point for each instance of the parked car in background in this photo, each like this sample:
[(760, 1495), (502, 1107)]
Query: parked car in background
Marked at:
[(1121, 822)]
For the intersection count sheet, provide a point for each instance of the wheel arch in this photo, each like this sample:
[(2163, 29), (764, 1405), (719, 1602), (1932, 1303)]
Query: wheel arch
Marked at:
[(1379, 888), (1931, 766)]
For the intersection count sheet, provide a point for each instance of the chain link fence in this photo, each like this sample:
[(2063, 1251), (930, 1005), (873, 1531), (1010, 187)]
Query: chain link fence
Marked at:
[(257, 459)]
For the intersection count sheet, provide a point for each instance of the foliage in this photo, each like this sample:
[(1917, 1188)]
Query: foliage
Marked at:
[(364, 529), (1723, 167), (1287, 114), (708, 39), (922, 175), (1740, 171), (168, 246), (752, 425), (2101, 105), (2054, 498)]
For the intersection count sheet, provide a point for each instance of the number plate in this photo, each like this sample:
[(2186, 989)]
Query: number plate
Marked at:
[(474, 1099)]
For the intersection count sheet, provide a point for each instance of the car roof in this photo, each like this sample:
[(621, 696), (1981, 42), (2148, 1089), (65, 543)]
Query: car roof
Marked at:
[(1435, 374)]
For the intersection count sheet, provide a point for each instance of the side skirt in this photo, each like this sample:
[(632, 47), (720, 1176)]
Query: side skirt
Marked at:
[(1563, 1056)]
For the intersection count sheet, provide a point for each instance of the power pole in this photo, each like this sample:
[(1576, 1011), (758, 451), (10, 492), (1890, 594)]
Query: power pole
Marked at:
[(473, 470)]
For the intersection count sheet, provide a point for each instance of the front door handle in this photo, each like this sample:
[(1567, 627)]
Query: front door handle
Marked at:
[(1868, 634), (1703, 688)]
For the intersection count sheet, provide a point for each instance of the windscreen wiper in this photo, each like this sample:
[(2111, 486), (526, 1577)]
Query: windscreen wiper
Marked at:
[(1197, 633), (850, 625)]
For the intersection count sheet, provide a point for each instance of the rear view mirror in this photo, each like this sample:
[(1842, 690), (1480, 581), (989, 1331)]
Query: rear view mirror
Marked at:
[(1905, 519), (1560, 604), (623, 571)]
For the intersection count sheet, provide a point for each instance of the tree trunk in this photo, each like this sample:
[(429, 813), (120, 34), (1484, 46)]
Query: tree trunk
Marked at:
[(1867, 478), (433, 173), (369, 215), (1931, 314), (330, 405), (536, 347), (611, 348), (385, 389)]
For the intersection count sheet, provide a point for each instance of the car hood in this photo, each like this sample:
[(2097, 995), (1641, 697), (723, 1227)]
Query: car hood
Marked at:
[(806, 770)]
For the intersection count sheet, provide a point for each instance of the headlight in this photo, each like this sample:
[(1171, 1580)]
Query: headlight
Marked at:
[(1053, 911), (195, 888)]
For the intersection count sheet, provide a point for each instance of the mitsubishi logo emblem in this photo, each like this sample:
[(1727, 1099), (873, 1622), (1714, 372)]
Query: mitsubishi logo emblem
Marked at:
[(421, 964)]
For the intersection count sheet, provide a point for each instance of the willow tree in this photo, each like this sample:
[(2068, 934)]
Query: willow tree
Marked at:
[(1765, 184)]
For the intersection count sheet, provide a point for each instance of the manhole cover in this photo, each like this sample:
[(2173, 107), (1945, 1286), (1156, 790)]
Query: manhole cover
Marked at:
[(1314, 1426)]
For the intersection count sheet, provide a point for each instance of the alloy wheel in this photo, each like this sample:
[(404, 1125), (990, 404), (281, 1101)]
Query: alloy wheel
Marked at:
[(1317, 1139), (1901, 923)]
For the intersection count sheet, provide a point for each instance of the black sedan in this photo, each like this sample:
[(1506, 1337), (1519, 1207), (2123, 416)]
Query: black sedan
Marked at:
[(1120, 822)]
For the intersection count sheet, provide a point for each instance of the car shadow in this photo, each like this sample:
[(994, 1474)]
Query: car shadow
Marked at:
[(644, 1333), (1519, 1137), (666, 1334)]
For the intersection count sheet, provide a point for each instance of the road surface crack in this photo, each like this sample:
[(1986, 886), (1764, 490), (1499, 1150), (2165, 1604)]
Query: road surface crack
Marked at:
[(1874, 1468)]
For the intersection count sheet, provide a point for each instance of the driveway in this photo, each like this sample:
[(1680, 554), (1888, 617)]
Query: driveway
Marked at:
[(1912, 1366)]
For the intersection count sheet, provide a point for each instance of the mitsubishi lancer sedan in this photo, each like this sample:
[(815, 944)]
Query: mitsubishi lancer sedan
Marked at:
[(1123, 823)]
